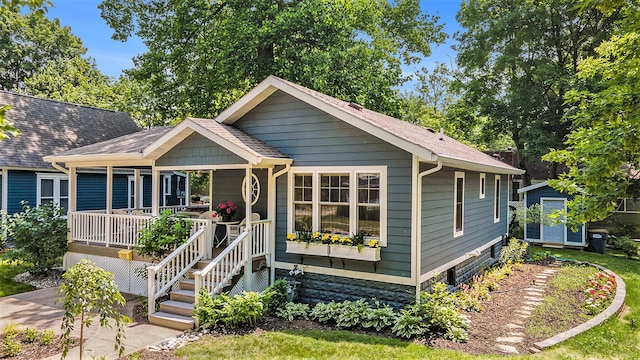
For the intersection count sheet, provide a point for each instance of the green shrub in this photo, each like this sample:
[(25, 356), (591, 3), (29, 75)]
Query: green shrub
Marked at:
[(539, 256), (326, 312), (47, 337), (514, 252), (379, 317), (434, 314), (11, 347), (39, 235), (628, 246), (30, 335), (163, 234), (276, 296), (227, 311), (351, 313), (292, 311), (10, 330)]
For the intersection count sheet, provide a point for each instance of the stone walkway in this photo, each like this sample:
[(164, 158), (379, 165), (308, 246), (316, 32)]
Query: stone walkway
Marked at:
[(534, 297)]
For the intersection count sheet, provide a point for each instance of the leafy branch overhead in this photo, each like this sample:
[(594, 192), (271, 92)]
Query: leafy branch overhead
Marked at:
[(204, 55)]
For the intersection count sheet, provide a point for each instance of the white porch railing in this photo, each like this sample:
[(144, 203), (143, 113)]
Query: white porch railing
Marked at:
[(260, 237), (161, 277), (99, 228)]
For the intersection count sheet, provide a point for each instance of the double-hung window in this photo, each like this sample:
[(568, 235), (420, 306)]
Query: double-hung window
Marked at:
[(340, 201), (53, 189)]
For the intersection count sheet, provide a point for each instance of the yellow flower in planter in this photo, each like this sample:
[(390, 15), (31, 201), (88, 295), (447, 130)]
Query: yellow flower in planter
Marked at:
[(373, 243), (291, 237), (316, 236), (335, 238), (345, 240), (326, 238)]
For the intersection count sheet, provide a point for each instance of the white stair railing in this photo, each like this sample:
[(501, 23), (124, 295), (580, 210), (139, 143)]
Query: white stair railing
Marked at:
[(215, 276), (163, 276)]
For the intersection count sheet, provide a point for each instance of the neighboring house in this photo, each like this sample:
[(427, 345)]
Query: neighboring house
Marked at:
[(437, 207), (554, 233), (49, 126)]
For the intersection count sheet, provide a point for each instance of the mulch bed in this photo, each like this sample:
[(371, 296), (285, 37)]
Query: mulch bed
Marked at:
[(485, 326), (31, 351)]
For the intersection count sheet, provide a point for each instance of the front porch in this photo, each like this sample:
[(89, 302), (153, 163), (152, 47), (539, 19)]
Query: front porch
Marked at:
[(197, 264)]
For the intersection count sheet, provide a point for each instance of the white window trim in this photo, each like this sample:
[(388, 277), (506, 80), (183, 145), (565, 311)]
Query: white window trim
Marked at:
[(130, 180), (353, 200), (483, 185), (458, 175), (496, 198), (56, 186)]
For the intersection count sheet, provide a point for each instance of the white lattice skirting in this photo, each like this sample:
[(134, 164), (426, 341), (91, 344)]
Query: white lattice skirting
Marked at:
[(260, 281), (124, 270)]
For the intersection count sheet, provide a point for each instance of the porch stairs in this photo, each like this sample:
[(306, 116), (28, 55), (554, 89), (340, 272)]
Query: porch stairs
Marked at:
[(177, 312)]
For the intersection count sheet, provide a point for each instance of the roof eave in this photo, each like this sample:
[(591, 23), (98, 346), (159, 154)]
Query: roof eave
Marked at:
[(469, 165)]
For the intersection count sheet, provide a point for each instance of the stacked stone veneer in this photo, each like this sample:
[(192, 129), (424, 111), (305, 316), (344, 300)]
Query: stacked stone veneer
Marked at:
[(467, 269), (317, 288)]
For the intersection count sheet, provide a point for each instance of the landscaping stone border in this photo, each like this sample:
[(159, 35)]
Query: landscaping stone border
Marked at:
[(614, 308)]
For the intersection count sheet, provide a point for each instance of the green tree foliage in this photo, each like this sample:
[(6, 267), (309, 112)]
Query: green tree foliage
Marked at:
[(203, 55), (519, 59), (39, 235), (6, 126), (76, 80), (603, 151), (86, 289), (28, 42), (164, 234)]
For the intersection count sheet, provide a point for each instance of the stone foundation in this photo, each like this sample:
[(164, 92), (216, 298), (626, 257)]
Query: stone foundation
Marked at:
[(317, 288)]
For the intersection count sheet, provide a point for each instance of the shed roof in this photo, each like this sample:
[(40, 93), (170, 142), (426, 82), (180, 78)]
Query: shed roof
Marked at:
[(49, 127)]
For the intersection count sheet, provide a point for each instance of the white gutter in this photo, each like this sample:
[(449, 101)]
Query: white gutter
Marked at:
[(418, 224), (61, 168)]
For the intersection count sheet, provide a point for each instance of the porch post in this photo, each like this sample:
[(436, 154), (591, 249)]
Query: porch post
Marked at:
[(109, 189), (248, 286), (210, 190), (109, 224), (4, 191), (136, 187), (271, 215), (155, 191), (187, 189), (72, 190)]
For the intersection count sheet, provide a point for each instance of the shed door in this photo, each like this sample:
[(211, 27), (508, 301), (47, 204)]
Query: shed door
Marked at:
[(556, 233)]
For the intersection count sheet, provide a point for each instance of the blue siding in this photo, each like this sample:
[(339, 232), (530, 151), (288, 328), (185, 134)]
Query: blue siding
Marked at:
[(198, 150), (147, 191), (533, 197), (438, 244), (313, 138), (120, 191), (91, 192), (22, 186)]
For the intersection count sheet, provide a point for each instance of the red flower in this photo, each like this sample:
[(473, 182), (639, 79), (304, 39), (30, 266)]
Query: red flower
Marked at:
[(222, 206)]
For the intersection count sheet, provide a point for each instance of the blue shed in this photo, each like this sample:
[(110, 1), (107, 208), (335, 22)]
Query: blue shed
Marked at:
[(556, 234)]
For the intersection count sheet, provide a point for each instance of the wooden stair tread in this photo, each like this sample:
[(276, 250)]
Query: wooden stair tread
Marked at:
[(178, 304)]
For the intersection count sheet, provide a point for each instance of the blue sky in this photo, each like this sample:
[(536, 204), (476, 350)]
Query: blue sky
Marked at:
[(83, 16)]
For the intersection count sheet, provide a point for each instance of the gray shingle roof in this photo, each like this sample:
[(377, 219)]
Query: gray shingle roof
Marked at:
[(126, 144), (50, 127), (240, 138), (418, 135)]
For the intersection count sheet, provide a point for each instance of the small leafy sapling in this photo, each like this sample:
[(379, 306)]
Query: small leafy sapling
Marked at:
[(89, 288)]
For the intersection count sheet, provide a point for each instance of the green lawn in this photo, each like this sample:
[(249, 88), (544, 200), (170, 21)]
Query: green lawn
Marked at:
[(7, 285), (615, 339)]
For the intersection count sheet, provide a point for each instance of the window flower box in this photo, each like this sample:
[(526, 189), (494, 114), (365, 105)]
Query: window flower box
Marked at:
[(305, 248), (352, 252)]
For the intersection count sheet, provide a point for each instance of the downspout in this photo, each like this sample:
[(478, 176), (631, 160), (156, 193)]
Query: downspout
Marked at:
[(272, 228), (418, 224), (60, 168)]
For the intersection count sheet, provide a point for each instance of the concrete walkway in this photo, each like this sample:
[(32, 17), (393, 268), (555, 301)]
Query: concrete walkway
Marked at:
[(39, 309)]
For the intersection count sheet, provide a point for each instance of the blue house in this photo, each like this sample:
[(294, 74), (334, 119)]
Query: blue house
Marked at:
[(553, 234), (49, 126), (436, 207)]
